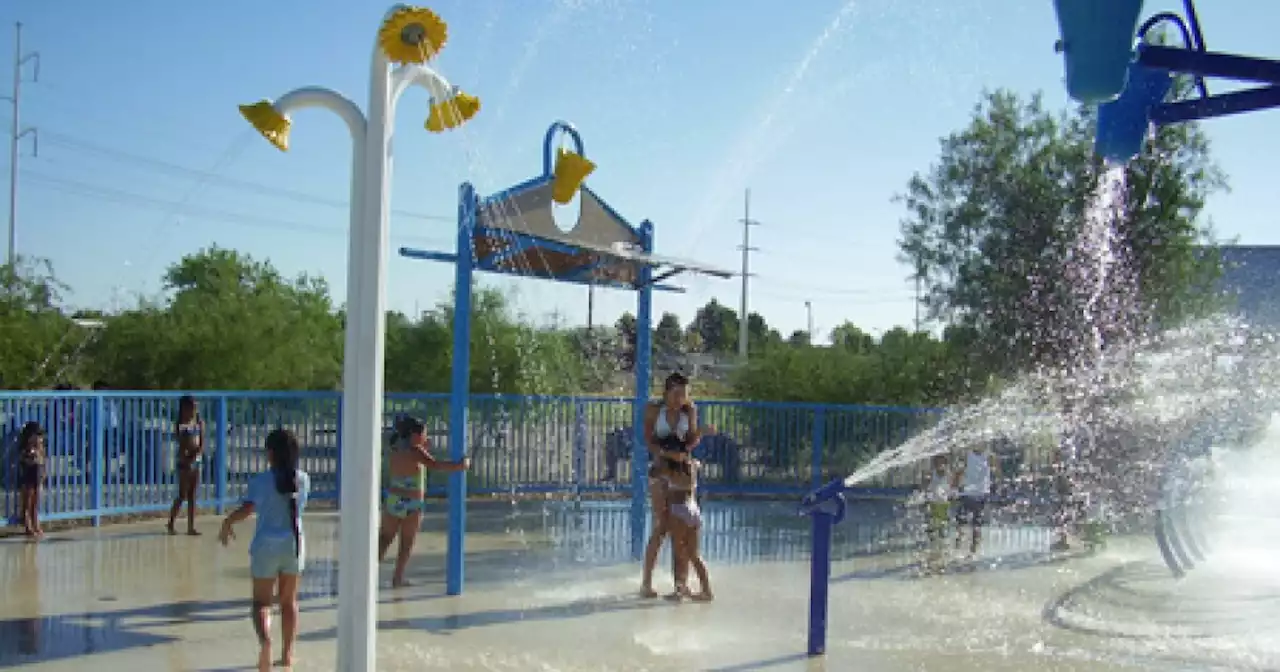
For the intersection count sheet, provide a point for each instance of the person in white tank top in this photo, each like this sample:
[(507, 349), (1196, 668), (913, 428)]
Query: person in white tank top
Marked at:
[(974, 483), (662, 426), (977, 475)]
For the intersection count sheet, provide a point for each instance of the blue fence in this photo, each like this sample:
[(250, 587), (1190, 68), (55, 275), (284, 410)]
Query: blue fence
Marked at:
[(112, 453)]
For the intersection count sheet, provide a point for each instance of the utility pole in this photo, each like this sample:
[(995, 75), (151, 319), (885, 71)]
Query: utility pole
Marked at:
[(808, 309), (919, 287), (16, 133), (591, 305), (917, 304), (746, 248)]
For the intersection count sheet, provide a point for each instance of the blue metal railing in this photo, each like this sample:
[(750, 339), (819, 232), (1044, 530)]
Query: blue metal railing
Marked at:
[(111, 453)]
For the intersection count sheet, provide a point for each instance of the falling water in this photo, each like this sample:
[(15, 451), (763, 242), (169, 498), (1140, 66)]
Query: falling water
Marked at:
[(1144, 392)]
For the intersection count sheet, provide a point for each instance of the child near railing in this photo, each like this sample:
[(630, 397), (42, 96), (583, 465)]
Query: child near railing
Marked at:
[(31, 466), (686, 526)]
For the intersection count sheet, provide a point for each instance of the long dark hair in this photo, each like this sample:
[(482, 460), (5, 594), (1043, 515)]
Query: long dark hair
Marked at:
[(283, 447), (29, 431), (407, 426), (187, 404)]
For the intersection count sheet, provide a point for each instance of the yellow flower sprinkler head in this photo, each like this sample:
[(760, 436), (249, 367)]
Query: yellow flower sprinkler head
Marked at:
[(270, 123), (453, 112), (412, 35)]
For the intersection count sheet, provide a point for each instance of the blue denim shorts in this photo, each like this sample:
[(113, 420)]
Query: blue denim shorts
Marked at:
[(274, 560)]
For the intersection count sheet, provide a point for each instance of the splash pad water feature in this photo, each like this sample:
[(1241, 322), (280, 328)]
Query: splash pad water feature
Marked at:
[(1131, 84), (515, 232)]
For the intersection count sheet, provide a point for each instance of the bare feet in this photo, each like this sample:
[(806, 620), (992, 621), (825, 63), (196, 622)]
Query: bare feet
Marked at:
[(286, 661), (170, 529), (193, 532), (648, 593), (704, 596), (400, 583), (681, 594), (264, 659)]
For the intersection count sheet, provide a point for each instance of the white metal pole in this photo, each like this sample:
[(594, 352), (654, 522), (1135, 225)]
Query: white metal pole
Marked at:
[(808, 309), (362, 389)]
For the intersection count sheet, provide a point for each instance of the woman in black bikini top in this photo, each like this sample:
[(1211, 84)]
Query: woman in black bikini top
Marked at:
[(31, 461), (190, 433)]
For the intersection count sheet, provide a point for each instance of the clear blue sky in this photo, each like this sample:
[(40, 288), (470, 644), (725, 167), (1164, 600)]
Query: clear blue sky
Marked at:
[(682, 104)]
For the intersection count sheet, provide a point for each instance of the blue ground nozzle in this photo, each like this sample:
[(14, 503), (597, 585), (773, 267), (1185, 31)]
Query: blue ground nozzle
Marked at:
[(829, 500), (1097, 38)]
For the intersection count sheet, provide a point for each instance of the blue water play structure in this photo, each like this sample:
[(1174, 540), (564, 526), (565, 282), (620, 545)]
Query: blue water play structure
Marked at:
[(1111, 63), (515, 232)]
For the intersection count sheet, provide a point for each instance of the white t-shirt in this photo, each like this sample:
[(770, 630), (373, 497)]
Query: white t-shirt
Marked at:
[(977, 475), (939, 489)]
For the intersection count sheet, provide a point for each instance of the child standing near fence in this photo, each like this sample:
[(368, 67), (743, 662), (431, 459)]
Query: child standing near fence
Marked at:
[(686, 526), (31, 461), (937, 507)]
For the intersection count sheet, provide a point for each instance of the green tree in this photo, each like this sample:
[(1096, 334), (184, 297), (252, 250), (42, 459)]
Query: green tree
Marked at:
[(849, 337), (995, 230), (39, 343), (717, 326), (626, 326), (231, 322), (668, 336), (759, 336)]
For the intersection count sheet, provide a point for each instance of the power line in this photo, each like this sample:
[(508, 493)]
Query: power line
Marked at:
[(98, 192), (852, 301), (788, 285), (170, 168)]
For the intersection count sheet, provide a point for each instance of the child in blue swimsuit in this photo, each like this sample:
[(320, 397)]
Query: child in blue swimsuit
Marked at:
[(277, 553)]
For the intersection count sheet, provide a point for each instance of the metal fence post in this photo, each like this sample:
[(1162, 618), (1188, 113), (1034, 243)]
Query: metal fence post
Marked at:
[(222, 462), (337, 467), (819, 430), (96, 472), (579, 446)]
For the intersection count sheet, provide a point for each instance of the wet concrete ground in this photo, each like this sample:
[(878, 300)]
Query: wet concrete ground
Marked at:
[(551, 588)]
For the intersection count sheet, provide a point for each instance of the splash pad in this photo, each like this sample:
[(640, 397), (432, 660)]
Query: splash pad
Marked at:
[(1110, 62), (515, 232)]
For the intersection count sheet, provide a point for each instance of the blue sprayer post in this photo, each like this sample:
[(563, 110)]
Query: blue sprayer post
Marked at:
[(827, 507)]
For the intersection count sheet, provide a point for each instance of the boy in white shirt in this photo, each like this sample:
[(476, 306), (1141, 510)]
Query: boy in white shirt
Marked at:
[(974, 483)]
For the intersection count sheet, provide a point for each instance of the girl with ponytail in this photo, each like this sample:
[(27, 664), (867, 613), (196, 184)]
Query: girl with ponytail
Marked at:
[(277, 553)]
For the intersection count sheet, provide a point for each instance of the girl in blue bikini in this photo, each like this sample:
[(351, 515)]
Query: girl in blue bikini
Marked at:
[(190, 431), (278, 552), (405, 480)]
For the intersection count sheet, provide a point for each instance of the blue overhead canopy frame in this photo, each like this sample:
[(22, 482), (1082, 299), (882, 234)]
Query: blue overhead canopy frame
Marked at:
[(1109, 63), (514, 232)]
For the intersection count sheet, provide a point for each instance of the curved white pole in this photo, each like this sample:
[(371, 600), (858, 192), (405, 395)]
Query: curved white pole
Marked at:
[(362, 393), (349, 112), (317, 96), (421, 75)]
